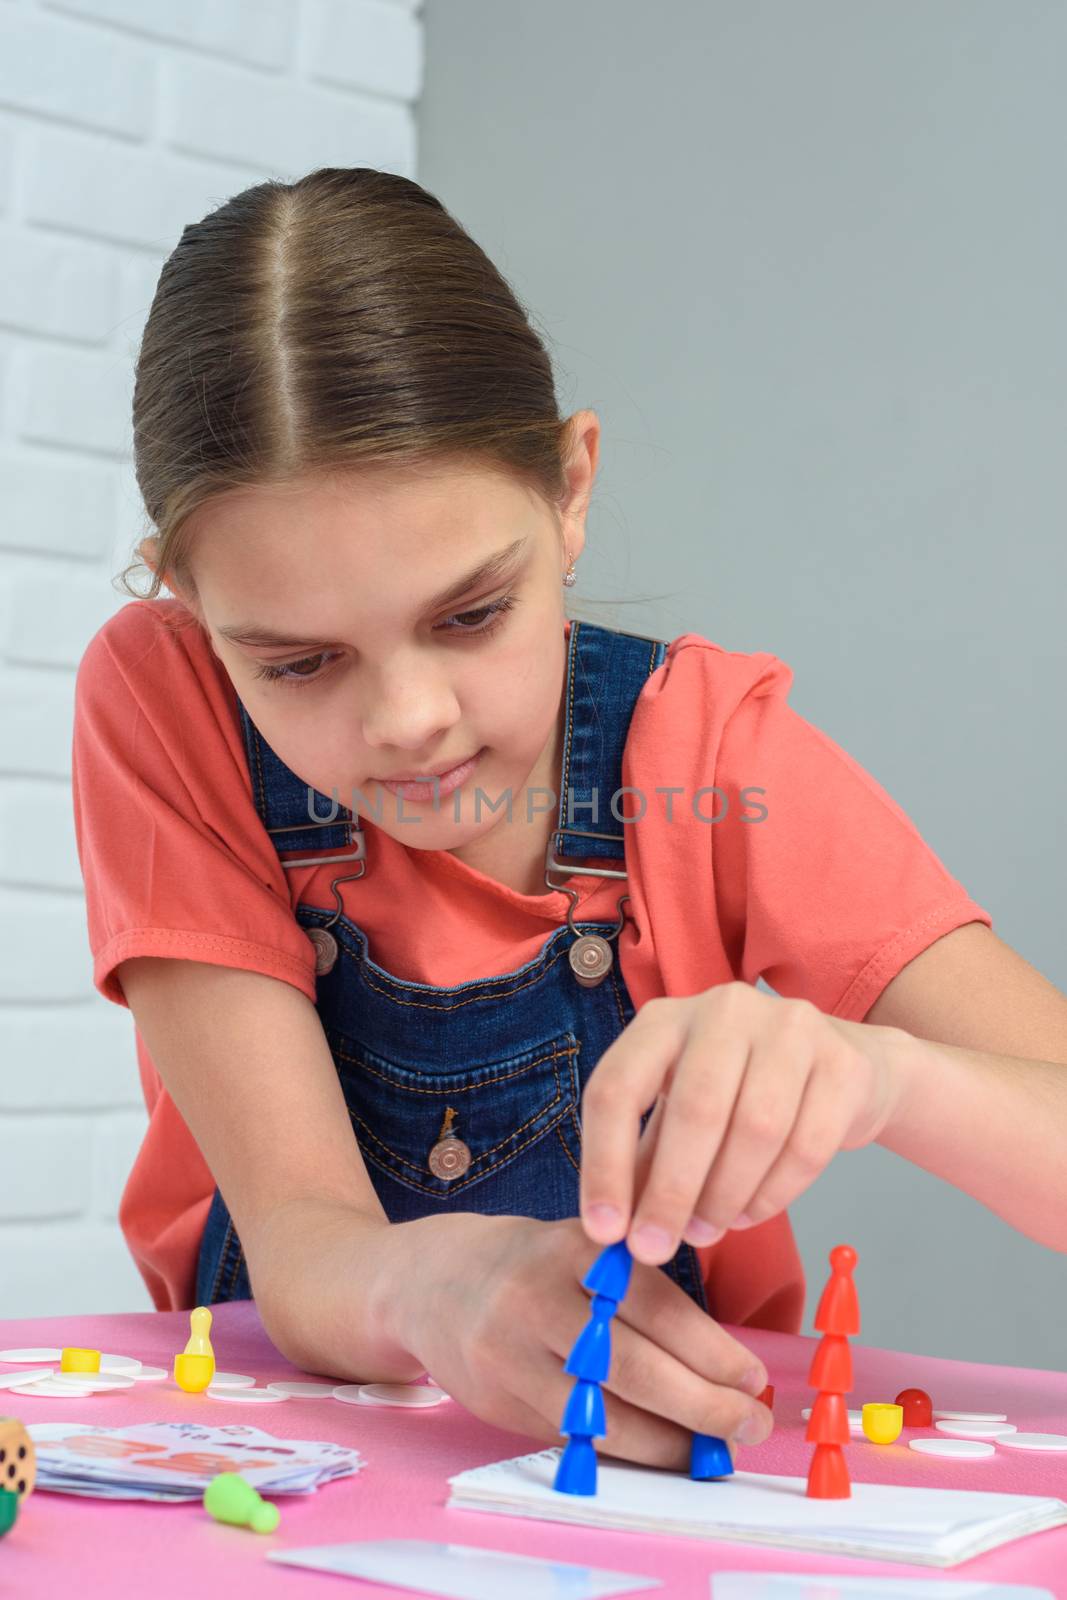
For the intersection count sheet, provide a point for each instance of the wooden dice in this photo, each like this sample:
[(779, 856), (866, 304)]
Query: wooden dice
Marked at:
[(18, 1460)]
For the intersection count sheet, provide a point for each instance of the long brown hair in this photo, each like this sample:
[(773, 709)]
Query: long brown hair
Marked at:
[(342, 321)]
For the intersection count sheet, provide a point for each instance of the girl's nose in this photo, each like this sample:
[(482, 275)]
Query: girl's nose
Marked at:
[(413, 712)]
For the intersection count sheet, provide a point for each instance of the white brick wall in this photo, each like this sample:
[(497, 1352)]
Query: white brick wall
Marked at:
[(120, 121)]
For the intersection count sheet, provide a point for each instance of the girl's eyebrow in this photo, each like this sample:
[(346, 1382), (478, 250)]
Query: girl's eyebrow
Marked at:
[(493, 568)]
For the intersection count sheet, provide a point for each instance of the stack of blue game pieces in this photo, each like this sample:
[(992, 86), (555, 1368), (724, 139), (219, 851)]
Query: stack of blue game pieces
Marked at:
[(589, 1363)]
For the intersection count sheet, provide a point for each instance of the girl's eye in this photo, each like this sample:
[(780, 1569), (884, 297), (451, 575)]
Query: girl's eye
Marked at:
[(494, 613)]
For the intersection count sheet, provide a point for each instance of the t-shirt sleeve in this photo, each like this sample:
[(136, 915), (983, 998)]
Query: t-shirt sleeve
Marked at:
[(833, 889), (174, 857)]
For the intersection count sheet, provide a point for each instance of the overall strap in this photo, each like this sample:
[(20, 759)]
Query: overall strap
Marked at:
[(285, 803), (606, 671)]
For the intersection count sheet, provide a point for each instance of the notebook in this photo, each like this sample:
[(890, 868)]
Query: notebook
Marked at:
[(886, 1522)]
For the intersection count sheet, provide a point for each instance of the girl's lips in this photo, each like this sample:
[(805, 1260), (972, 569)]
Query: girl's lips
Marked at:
[(445, 784)]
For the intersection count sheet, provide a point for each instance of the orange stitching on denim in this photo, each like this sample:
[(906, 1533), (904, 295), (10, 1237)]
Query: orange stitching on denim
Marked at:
[(618, 997), (566, 1151), (454, 1188), (548, 1106), (488, 992), (552, 1055)]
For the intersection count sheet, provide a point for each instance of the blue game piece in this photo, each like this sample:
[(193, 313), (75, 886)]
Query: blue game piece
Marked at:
[(602, 1308), (591, 1356), (585, 1412), (610, 1273), (709, 1457), (576, 1473)]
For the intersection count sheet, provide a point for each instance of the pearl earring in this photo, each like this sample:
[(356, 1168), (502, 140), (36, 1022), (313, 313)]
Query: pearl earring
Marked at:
[(570, 577)]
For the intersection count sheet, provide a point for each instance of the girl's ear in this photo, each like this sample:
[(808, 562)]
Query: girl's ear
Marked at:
[(146, 551)]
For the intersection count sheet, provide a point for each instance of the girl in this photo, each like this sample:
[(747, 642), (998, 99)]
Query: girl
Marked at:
[(399, 869)]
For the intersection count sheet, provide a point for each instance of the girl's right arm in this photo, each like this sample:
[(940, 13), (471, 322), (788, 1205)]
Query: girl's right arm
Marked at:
[(246, 1062), (490, 1305)]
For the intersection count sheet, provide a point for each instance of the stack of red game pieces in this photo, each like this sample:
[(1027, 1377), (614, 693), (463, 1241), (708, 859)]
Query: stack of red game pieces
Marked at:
[(838, 1315)]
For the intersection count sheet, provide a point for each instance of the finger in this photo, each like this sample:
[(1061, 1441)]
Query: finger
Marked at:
[(696, 1231), (621, 1087), (653, 1380), (646, 1145), (658, 1308), (764, 1114), (707, 1080), (634, 1433), (822, 1121)]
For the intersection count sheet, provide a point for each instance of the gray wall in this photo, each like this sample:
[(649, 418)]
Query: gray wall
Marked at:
[(807, 264)]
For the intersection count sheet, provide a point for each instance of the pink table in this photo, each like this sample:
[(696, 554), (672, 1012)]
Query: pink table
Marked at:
[(63, 1545)]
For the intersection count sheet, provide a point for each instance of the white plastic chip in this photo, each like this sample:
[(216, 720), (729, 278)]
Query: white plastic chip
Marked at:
[(150, 1374), (348, 1392), (971, 1416), (232, 1380), (55, 1391), (32, 1357), (245, 1396), (399, 1394), (95, 1382), (1033, 1441), (302, 1391), (962, 1449), (975, 1430), (15, 1380), (125, 1365)]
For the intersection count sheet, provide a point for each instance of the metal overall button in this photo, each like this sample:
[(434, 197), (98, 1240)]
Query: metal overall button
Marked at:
[(323, 942), (450, 1157), (325, 950), (590, 956)]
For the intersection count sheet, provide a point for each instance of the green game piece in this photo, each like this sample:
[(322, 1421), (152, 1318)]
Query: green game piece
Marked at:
[(9, 1510), (230, 1498)]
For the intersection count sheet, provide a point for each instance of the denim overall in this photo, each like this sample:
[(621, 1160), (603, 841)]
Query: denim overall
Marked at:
[(499, 1062)]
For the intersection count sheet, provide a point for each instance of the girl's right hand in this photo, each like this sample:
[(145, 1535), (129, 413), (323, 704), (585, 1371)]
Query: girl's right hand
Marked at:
[(491, 1306)]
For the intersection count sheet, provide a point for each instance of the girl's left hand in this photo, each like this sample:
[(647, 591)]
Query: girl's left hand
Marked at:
[(753, 1095)]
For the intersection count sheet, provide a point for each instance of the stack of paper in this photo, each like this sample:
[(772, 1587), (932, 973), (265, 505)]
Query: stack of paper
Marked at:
[(889, 1522), (177, 1460)]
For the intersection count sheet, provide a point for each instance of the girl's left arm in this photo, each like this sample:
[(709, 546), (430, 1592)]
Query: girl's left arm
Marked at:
[(960, 1065), (983, 1064)]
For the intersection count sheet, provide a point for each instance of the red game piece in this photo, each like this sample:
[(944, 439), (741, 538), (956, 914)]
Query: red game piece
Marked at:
[(831, 1372), (831, 1365), (839, 1309), (828, 1423), (766, 1398), (828, 1475), (918, 1408)]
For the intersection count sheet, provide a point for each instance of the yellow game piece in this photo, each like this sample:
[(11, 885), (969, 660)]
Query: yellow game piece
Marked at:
[(74, 1360), (193, 1373), (882, 1423), (199, 1342)]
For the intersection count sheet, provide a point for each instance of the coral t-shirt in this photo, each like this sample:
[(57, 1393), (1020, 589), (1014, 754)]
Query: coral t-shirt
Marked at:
[(826, 891)]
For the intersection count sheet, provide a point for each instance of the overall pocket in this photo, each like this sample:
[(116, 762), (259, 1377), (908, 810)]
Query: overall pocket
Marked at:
[(503, 1111)]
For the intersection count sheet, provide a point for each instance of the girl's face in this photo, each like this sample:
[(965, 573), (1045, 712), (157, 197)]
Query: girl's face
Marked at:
[(398, 663)]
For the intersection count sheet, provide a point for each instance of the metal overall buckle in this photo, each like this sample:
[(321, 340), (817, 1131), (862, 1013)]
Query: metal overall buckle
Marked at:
[(324, 942), (590, 956)]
